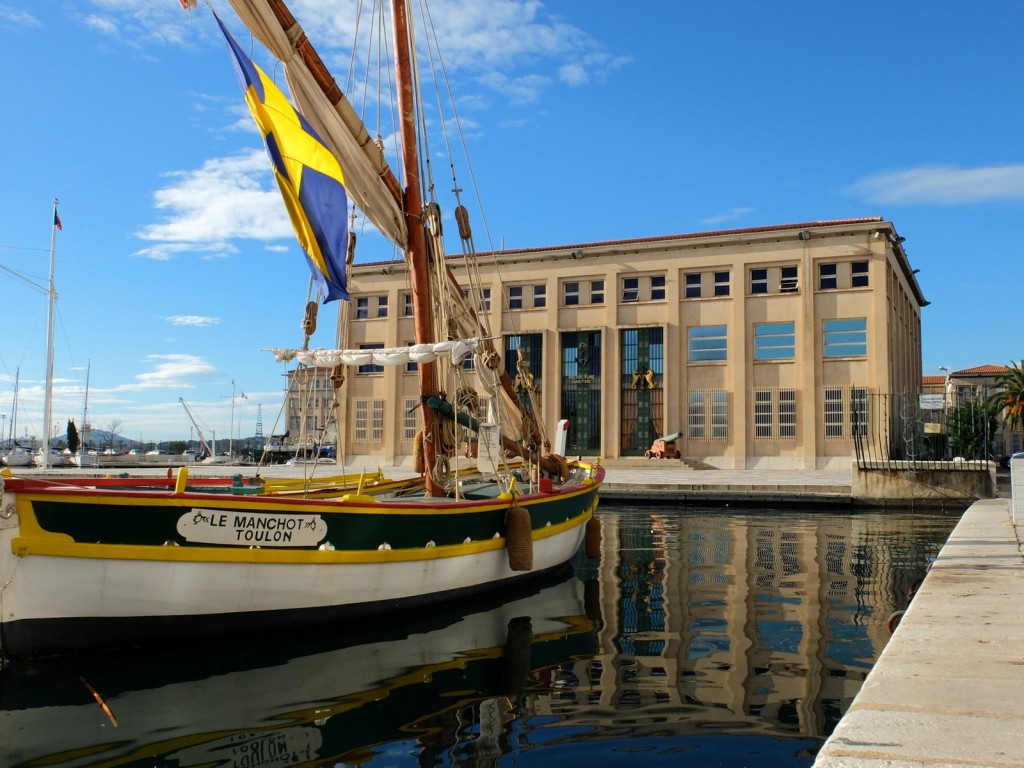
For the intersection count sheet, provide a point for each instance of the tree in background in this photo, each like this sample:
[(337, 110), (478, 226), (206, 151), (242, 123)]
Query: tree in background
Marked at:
[(971, 427), (1011, 396), (73, 441)]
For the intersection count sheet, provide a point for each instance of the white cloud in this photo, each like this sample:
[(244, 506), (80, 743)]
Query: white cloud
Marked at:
[(101, 24), (171, 372), (17, 18), (943, 185), (196, 321), (209, 207), (731, 215)]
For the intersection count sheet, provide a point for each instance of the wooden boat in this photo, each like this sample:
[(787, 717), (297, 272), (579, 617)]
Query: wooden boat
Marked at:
[(90, 564), (331, 697)]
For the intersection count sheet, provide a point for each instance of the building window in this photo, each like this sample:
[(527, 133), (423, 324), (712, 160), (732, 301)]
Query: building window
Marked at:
[(693, 286), (657, 287), (360, 420), (774, 414), (597, 291), (630, 289), (846, 338), (370, 368), (517, 296), (759, 281), (529, 375), (787, 413), (367, 420), (763, 414), (372, 306), (377, 423), (571, 294), (834, 416), (774, 341), (721, 283), (858, 411), (410, 418), (485, 300), (859, 274), (540, 296), (407, 305), (828, 277), (411, 366), (706, 343), (789, 282), (708, 414)]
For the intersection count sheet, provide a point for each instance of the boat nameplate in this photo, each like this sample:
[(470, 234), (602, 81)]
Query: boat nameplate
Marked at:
[(251, 529)]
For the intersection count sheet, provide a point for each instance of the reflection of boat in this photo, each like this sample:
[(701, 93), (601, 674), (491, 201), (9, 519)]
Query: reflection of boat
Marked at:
[(325, 697), (84, 564)]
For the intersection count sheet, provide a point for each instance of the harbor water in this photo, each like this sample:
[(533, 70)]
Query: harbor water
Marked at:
[(711, 637)]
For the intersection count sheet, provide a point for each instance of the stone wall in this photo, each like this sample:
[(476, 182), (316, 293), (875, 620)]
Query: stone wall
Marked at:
[(910, 481)]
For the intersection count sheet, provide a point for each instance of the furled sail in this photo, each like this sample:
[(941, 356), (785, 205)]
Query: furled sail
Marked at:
[(368, 178), (457, 350)]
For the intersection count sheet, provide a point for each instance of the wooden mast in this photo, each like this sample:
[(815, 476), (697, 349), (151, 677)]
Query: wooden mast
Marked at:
[(416, 254)]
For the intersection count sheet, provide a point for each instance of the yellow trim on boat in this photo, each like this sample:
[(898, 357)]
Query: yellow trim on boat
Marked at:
[(42, 543)]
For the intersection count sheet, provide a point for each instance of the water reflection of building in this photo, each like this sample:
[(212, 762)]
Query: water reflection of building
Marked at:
[(765, 623)]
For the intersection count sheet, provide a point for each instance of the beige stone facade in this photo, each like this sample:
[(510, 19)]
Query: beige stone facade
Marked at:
[(758, 347)]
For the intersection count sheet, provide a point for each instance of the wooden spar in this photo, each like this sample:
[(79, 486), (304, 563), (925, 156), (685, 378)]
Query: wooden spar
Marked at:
[(301, 45), (416, 254)]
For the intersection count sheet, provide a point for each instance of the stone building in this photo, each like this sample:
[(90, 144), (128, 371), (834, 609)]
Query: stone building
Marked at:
[(754, 347)]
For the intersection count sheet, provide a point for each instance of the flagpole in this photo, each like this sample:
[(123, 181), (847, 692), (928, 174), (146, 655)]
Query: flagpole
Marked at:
[(52, 300)]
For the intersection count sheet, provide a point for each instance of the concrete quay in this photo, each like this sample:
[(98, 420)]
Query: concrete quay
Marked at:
[(948, 690)]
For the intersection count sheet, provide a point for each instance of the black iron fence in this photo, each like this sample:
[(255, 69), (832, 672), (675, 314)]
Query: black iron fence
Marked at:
[(932, 431)]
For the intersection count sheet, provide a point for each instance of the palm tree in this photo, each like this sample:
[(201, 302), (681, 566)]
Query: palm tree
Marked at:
[(1011, 395)]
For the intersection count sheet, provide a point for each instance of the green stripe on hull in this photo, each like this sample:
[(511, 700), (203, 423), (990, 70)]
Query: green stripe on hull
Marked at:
[(153, 522)]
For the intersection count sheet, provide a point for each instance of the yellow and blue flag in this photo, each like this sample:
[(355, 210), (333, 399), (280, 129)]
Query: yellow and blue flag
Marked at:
[(308, 174)]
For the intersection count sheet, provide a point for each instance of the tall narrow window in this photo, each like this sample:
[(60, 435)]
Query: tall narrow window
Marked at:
[(407, 305), (834, 416), (597, 291), (827, 277), (774, 341), (377, 424), (721, 283), (540, 296), (719, 415), (788, 282), (759, 281), (787, 413), (410, 418), (764, 418), (515, 297), (657, 288), (630, 289), (859, 274), (696, 416), (693, 285), (360, 420), (382, 306), (571, 294), (362, 308), (858, 411)]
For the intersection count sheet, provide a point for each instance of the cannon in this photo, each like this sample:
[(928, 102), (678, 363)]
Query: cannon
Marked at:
[(665, 447)]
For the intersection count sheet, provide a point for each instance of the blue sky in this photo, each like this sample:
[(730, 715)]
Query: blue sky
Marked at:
[(176, 265)]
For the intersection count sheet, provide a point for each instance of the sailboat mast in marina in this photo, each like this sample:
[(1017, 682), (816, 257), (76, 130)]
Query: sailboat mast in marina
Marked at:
[(51, 301)]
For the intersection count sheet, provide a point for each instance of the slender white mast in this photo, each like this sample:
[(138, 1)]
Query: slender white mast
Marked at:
[(52, 300), (85, 418)]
